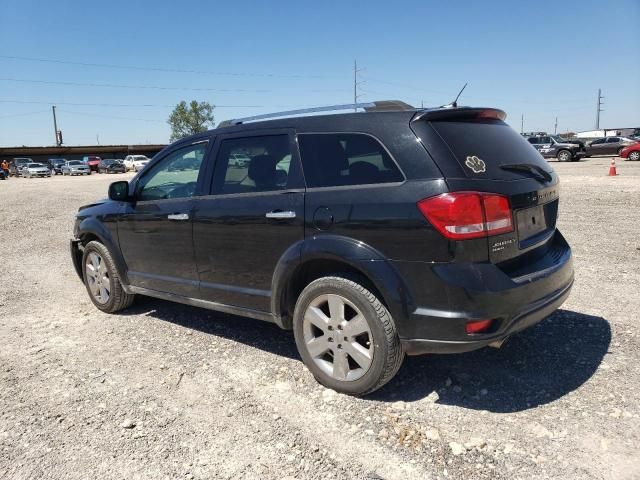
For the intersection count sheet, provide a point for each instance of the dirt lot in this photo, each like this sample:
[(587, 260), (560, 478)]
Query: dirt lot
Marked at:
[(167, 391)]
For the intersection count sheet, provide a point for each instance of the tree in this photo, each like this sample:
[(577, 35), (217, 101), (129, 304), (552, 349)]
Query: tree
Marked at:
[(186, 119)]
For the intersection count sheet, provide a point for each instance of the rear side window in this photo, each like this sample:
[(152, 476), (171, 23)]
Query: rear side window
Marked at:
[(338, 159), (252, 164)]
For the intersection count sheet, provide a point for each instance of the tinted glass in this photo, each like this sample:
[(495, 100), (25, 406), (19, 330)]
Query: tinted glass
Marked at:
[(252, 164), (175, 176), (613, 140), (492, 141), (337, 159)]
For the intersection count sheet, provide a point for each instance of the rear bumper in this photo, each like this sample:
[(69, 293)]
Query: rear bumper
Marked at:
[(447, 296), (530, 315)]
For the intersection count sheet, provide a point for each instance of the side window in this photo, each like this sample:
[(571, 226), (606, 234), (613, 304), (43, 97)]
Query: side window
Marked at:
[(252, 164), (545, 140), (175, 176), (533, 140), (338, 159), (613, 140)]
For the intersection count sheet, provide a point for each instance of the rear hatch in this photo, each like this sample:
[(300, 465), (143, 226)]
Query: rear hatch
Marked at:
[(477, 151)]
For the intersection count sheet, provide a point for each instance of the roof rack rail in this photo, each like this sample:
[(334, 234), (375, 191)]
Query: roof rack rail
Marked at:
[(379, 106)]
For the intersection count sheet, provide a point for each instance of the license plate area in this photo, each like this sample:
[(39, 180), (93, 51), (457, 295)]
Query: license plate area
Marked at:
[(531, 222)]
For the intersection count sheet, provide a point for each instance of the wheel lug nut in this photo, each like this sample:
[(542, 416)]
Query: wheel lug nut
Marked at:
[(330, 327), (330, 339), (339, 345), (346, 339)]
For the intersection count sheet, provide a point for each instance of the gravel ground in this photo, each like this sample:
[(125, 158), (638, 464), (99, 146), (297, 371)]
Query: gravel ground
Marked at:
[(168, 391)]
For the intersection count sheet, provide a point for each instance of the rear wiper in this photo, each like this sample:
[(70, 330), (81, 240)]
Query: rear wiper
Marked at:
[(537, 171)]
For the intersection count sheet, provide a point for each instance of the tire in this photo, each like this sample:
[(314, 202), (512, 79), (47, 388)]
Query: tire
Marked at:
[(634, 156), (378, 349), (112, 298), (564, 156)]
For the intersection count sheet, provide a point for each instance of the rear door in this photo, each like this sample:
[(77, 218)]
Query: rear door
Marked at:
[(476, 152), (612, 145), (252, 216)]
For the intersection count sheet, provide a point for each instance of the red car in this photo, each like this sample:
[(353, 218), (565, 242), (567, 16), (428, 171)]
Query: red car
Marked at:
[(632, 152), (93, 161)]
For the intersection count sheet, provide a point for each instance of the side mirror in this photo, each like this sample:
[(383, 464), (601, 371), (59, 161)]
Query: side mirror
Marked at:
[(119, 191)]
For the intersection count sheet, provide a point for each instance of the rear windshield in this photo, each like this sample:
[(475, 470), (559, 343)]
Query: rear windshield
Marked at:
[(492, 141)]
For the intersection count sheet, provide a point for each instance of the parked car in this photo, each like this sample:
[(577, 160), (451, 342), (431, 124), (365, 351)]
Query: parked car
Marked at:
[(93, 161), (55, 164), (76, 167), (372, 235), (17, 164), (553, 146), (135, 162), (111, 165), (632, 152), (35, 170), (608, 145)]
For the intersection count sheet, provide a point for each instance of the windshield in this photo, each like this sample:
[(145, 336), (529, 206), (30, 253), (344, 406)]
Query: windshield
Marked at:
[(57, 160), (75, 162), (34, 165), (140, 157)]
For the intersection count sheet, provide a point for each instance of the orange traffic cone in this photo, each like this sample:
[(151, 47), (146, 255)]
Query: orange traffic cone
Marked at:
[(612, 168)]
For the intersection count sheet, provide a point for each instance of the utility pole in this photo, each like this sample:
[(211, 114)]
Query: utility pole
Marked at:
[(555, 127), (599, 109), (355, 84), (55, 125), (522, 123)]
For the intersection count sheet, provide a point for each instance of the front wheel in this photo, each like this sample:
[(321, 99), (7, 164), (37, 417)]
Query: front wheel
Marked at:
[(101, 279), (564, 156), (346, 336), (635, 155)]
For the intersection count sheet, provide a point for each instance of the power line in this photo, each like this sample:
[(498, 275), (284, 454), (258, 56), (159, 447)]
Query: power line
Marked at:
[(146, 87), (111, 116), (76, 104), (168, 70), (24, 114)]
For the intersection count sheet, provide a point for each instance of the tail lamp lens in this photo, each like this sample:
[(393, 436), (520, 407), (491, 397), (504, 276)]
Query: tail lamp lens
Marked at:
[(466, 215)]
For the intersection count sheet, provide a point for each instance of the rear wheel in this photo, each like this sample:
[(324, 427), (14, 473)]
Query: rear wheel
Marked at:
[(564, 156), (102, 280), (346, 336), (635, 155)]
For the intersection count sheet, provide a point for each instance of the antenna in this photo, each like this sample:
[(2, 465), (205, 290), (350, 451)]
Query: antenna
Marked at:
[(454, 104)]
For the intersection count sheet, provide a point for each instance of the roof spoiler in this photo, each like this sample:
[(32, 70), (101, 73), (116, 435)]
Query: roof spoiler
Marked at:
[(459, 113)]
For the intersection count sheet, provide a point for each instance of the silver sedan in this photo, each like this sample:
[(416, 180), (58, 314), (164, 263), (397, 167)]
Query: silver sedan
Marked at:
[(75, 167), (35, 170)]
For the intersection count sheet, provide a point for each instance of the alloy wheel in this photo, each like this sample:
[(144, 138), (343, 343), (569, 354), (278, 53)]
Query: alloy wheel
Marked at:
[(337, 337), (98, 277)]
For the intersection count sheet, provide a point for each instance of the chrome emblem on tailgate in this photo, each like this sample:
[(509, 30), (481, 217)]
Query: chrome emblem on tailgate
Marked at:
[(476, 164)]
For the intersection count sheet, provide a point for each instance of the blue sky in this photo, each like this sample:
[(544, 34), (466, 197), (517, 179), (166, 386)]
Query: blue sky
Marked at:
[(542, 59)]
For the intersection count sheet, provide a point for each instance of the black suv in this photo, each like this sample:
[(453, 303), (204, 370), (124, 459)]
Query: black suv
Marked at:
[(371, 234), (553, 146)]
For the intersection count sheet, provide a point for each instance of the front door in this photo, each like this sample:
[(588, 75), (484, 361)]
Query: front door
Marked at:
[(156, 230), (253, 215)]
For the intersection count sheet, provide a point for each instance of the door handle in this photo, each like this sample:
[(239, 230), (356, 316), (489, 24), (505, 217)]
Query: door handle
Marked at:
[(279, 215), (178, 216)]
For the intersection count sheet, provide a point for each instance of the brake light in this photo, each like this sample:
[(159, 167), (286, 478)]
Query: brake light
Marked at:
[(466, 215)]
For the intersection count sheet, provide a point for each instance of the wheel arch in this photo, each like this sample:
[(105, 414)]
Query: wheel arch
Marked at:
[(327, 255), (92, 230)]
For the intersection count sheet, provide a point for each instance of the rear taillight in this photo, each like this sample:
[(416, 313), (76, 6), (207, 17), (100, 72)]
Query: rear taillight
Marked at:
[(465, 215)]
